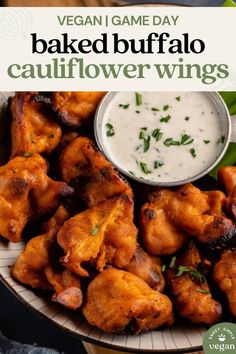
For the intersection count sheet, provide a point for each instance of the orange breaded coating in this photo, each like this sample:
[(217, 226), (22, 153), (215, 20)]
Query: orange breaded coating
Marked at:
[(116, 299), (189, 289), (227, 176), (32, 129), (215, 200), (67, 137), (66, 286), (171, 216), (95, 179), (30, 265), (38, 265), (148, 268), (26, 192), (160, 236), (225, 276), (104, 234), (75, 108)]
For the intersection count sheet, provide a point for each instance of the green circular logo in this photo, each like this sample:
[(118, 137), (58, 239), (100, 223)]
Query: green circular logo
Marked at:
[(220, 338)]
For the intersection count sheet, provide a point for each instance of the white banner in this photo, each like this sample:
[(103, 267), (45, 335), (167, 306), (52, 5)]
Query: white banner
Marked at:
[(118, 49)]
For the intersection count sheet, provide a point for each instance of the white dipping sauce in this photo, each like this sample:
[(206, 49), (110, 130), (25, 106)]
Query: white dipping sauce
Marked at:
[(162, 136)]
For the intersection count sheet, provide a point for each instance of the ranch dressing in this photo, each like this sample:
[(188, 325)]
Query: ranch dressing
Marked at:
[(162, 136)]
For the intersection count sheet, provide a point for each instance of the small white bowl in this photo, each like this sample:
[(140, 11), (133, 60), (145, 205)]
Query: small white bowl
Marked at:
[(224, 118)]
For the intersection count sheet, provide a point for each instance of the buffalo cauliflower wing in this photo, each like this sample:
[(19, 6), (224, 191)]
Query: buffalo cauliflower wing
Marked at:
[(117, 299)]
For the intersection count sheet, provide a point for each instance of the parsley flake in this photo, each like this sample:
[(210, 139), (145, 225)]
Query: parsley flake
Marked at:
[(157, 134), (193, 272), (138, 98), (110, 130), (170, 141), (144, 168), (186, 139), (166, 107), (163, 267), (124, 106), (172, 261), (146, 139), (95, 230), (193, 152), (141, 135), (165, 119), (221, 140), (158, 163), (146, 144)]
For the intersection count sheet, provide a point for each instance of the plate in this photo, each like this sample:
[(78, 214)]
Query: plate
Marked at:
[(179, 338)]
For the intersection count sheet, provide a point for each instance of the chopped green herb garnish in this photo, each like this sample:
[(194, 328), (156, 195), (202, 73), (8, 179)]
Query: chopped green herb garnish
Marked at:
[(158, 163), (163, 267), (202, 291), (50, 136), (132, 173), (137, 112), (165, 119), (193, 152), (95, 230), (28, 153), (186, 139), (157, 134), (171, 141), (166, 107), (141, 135), (172, 261), (146, 139), (177, 98), (146, 144), (124, 106), (206, 141), (182, 270), (221, 140), (187, 118), (110, 130), (198, 276), (193, 272), (138, 97), (144, 168), (154, 109)]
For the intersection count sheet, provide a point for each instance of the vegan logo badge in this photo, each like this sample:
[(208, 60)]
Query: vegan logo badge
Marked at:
[(220, 338)]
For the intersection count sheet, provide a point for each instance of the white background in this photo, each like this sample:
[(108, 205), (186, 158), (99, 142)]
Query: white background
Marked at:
[(216, 26)]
